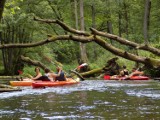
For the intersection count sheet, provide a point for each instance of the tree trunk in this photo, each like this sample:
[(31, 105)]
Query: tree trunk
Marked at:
[(119, 20), (110, 29), (76, 14), (93, 15), (92, 72), (126, 18), (2, 3), (55, 11), (12, 34), (109, 22), (83, 51), (146, 20), (8, 88), (76, 20), (94, 26)]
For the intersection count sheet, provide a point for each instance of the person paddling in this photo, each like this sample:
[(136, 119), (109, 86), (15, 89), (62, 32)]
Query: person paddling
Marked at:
[(124, 72), (38, 76), (136, 72), (52, 76), (62, 76)]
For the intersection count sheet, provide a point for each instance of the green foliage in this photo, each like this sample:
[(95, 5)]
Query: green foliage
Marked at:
[(65, 52), (21, 13)]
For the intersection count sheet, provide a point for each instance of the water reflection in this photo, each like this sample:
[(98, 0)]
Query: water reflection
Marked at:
[(94, 99)]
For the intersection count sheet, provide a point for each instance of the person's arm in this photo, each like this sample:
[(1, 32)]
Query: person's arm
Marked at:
[(59, 72), (53, 75)]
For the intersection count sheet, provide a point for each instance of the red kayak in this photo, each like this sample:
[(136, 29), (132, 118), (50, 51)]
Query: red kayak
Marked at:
[(107, 77), (43, 84), (139, 78)]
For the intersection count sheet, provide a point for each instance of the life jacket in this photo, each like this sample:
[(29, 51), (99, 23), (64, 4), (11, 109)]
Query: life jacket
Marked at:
[(82, 65)]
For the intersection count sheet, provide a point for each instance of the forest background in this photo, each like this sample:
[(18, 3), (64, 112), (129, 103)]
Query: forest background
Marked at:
[(135, 20)]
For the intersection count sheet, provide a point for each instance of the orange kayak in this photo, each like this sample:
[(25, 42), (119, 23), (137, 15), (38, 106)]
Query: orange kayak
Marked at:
[(42, 84), (21, 83)]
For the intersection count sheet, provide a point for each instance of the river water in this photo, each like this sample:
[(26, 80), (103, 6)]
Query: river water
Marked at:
[(90, 99)]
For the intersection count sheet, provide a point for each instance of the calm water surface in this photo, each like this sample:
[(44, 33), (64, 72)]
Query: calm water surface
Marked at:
[(91, 99)]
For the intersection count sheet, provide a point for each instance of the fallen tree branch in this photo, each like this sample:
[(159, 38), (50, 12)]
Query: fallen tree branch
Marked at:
[(118, 51), (85, 39), (33, 62), (92, 72), (50, 39), (126, 42), (63, 25), (8, 88), (78, 74), (107, 68), (96, 32), (147, 61), (98, 40)]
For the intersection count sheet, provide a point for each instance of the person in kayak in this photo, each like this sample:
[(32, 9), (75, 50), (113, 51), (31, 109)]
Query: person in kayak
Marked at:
[(38, 76), (124, 72), (82, 67), (52, 76), (136, 72), (112, 67), (62, 76)]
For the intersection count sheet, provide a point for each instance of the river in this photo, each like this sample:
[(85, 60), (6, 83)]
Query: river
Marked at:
[(90, 99)]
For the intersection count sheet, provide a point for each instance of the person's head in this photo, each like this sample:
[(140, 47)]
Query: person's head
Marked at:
[(133, 69), (37, 69), (46, 70), (58, 68), (124, 67), (121, 73), (140, 69)]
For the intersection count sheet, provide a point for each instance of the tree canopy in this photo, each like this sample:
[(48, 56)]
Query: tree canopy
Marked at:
[(121, 24)]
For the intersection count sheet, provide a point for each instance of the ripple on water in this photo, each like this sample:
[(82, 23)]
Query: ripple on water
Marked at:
[(62, 117), (88, 85), (100, 102), (154, 94), (116, 101), (125, 84), (73, 117), (83, 86), (84, 108), (25, 118), (7, 112)]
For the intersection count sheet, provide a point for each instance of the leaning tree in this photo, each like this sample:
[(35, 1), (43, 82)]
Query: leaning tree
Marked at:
[(97, 37)]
